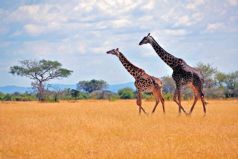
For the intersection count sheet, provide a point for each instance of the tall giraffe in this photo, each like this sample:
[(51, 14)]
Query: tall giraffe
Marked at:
[(183, 74), (143, 81)]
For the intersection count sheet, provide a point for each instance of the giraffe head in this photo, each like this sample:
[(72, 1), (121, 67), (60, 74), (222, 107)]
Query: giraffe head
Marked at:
[(147, 39), (114, 52)]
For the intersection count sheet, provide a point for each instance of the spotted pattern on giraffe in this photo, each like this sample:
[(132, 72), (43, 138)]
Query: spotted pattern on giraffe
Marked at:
[(143, 81), (183, 74)]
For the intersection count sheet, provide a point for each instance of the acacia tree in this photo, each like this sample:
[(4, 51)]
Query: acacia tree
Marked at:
[(209, 73), (40, 72), (168, 84), (220, 79), (74, 93), (231, 83)]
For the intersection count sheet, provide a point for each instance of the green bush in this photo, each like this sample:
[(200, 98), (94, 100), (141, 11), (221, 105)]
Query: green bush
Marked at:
[(215, 93), (99, 94), (17, 97), (1, 95), (7, 97), (148, 96), (114, 97), (126, 93), (168, 96), (187, 93), (83, 95)]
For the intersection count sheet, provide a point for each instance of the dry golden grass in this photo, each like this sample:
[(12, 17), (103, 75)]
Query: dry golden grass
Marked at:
[(104, 129)]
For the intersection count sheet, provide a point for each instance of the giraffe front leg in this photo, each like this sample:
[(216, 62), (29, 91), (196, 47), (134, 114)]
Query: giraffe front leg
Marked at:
[(139, 102), (180, 105), (179, 100), (175, 99), (162, 100), (194, 103), (156, 103), (156, 100), (177, 94)]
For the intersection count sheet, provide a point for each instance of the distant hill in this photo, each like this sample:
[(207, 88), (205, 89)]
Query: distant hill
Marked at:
[(12, 88), (61, 86), (116, 87)]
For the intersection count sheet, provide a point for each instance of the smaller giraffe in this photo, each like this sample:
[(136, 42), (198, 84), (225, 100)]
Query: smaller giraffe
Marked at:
[(143, 81)]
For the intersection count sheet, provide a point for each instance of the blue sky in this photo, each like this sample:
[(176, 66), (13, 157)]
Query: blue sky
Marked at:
[(78, 33)]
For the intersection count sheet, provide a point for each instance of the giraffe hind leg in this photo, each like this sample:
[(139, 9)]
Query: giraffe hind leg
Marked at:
[(195, 92), (156, 99), (156, 103), (177, 94), (204, 103), (179, 100), (161, 99), (201, 95)]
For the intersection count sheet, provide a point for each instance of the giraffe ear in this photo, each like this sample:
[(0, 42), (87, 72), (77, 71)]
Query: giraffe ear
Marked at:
[(148, 34), (117, 49)]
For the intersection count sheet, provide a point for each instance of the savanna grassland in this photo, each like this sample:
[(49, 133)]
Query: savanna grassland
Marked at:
[(113, 129)]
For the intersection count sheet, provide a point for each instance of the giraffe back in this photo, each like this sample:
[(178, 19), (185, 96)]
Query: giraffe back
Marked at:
[(147, 83)]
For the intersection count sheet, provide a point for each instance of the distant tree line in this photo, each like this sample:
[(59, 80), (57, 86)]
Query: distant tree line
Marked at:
[(216, 85)]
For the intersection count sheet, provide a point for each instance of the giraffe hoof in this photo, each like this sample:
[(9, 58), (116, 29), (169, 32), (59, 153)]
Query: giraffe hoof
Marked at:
[(188, 114), (146, 113)]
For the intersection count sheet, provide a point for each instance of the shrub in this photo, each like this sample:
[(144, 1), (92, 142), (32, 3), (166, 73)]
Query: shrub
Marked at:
[(215, 93), (101, 94), (168, 96), (148, 96), (126, 93), (7, 97)]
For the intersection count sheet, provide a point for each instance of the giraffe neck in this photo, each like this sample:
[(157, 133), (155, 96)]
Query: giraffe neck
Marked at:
[(132, 69), (169, 59)]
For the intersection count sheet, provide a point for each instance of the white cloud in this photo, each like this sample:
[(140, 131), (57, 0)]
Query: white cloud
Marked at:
[(40, 14), (120, 23), (46, 49), (86, 6), (180, 16), (193, 4), (233, 2), (34, 29), (214, 27), (117, 7), (149, 4), (184, 20), (175, 32)]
